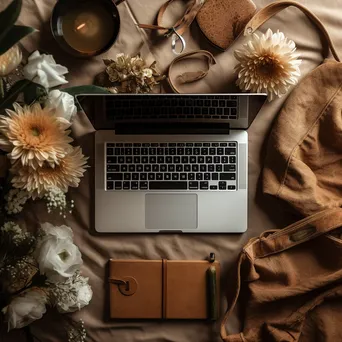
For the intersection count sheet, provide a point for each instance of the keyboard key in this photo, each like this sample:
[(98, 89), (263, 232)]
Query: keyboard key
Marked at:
[(185, 160), (214, 176), (135, 176), (171, 144), (187, 168), (126, 185), (217, 160), (193, 185), (143, 185), (227, 176), (176, 160), (145, 144), (208, 159), (115, 176), (183, 176), (194, 168), (204, 151), (152, 151), (191, 176), (188, 151), (167, 176), (175, 176), (147, 168), (117, 151), (212, 151), (220, 151), (144, 159), (215, 144), (218, 168), (222, 186), (163, 168), (121, 160), (231, 187), (155, 168), (113, 168), (136, 160), (136, 151), (189, 144), (179, 168), (168, 160), (129, 160), (213, 187), (197, 151), (160, 160), (110, 151), (137, 145), (151, 176), (203, 168), (110, 185), (140, 168), (180, 151), (211, 168), (199, 176), (127, 176), (134, 185), (206, 176), (131, 168), (171, 168), (230, 151), (152, 160), (160, 151), (172, 185), (124, 168), (128, 151), (192, 160), (204, 185), (200, 159), (172, 151), (159, 176), (144, 151), (231, 144), (233, 111), (232, 160), (223, 144), (229, 167), (118, 185), (224, 160), (143, 176)]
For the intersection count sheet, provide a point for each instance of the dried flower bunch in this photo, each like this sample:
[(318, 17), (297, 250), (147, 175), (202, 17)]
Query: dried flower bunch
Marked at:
[(130, 75), (40, 270), (268, 64)]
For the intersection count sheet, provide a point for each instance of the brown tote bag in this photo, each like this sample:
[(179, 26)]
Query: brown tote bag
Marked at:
[(289, 281)]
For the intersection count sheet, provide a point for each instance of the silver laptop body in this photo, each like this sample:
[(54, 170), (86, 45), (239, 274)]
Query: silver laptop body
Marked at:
[(174, 210)]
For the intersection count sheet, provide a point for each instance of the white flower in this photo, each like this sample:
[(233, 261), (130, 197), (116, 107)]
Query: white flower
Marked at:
[(62, 103), (26, 308), (71, 295), (58, 257), (15, 201), (42, 69), (268, 64)]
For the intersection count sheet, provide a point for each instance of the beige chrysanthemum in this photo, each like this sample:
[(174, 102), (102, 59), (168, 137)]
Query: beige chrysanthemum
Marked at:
[(268, 64), (38, 182), (34, 136)]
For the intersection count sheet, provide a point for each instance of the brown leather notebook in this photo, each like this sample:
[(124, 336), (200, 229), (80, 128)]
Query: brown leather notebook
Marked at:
[(168, 289)]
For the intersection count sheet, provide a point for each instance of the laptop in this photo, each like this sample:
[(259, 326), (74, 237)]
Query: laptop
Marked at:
[(172, 163)]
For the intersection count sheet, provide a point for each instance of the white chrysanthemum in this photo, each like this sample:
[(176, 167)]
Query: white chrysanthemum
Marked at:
[(268, 64)]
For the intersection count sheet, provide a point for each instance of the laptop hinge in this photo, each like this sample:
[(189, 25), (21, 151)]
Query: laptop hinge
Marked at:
[(173, 128)]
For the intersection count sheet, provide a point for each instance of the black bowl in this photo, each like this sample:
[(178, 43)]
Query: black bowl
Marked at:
[(64, 6)]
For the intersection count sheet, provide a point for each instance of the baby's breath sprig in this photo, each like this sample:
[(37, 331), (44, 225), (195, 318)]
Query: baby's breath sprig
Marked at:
[(56, 201)]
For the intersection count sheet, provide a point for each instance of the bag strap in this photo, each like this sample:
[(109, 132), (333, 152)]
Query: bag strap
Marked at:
[(181, 25), (269, 11), (323, 222)]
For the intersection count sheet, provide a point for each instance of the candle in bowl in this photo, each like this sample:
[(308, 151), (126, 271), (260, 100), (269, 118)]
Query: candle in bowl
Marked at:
[(84, 27)]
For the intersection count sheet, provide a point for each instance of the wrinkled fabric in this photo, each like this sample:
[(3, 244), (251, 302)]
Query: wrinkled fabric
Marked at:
[(97, 249)]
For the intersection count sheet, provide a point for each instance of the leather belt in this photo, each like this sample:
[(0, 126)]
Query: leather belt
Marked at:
[(176, 31)]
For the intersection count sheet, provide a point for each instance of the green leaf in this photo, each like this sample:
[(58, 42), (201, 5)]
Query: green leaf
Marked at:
[(34, 92), (13, 36), (8, 17), (13, 93), (85, 90)]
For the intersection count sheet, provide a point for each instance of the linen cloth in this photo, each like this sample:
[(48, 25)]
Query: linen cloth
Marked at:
[(97, 249)]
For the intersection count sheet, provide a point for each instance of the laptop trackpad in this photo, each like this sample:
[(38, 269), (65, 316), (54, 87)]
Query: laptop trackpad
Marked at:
[(171, 211)]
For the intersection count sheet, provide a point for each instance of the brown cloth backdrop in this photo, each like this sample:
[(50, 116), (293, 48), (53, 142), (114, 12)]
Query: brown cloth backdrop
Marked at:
[(96, 250)]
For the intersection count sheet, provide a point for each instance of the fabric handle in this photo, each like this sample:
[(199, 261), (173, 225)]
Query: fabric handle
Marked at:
[(269, 11), (323, 222)]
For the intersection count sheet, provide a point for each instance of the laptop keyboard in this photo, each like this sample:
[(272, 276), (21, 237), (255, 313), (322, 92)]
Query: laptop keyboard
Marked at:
[(131, 107), (171, 166)]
